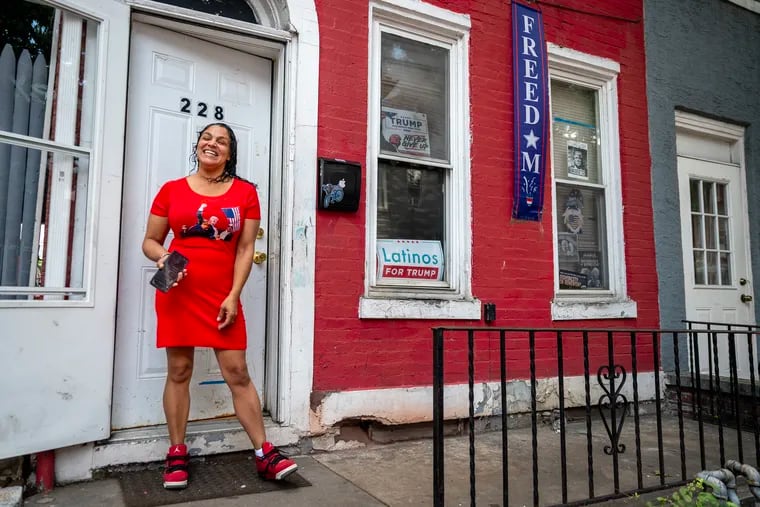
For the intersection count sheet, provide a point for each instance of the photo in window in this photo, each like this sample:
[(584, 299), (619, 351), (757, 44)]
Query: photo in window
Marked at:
[(577, 155), (581, 237), (574, 132)]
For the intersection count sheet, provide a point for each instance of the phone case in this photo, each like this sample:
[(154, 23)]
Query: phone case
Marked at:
[(173, 266)]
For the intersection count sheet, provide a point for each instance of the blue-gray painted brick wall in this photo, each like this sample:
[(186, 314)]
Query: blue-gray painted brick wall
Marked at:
[(703, 56)]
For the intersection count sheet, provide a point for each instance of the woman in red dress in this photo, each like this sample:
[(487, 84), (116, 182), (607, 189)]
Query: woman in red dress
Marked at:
[(214, 215)]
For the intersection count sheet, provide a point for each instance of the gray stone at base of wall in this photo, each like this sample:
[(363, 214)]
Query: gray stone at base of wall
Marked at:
[(11, 497)]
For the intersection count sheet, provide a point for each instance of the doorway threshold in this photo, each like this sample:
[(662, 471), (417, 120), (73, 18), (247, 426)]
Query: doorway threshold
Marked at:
[(149, 443)]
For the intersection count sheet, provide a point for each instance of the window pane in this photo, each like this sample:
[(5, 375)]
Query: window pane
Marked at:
[(725, 268), (27, 25), (710, 232), (410, 201), (697, 240), (44, 193), (708, 193), (44, 221), (581, 241), (235, 9), (53, 107), (575, 136), (699, 267), (712, 268), (723, 233), (721, 196), (414, 98), (694, 192)]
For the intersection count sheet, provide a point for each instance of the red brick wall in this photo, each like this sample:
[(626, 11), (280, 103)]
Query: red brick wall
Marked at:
[(350, 353)]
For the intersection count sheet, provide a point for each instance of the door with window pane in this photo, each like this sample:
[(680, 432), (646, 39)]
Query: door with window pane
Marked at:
[(62, 95), (716, 269)]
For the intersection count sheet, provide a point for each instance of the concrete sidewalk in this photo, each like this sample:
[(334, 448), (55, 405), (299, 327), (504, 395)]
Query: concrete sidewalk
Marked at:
[(401, 473), (328, 488)]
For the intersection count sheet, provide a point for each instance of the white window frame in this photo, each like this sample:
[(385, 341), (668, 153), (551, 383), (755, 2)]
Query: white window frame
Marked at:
[(92, 135), (432, 25), (599, 74)]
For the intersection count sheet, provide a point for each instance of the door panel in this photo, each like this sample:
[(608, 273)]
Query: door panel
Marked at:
[(714, 242), (177, 85)]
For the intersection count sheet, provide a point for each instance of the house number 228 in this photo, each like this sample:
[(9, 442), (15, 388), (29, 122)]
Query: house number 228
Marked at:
[(202, 109)]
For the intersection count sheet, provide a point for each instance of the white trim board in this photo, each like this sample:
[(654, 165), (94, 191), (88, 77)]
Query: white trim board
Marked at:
[(715, 128)]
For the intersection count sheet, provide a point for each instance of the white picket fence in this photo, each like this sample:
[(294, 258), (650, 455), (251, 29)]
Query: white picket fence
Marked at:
[(23, 92)]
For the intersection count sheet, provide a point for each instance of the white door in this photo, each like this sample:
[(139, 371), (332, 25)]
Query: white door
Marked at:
[(177, 85), (715, 251)]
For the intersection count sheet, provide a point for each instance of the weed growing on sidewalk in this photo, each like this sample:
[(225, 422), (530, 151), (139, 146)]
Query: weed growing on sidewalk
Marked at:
[(695, 493)]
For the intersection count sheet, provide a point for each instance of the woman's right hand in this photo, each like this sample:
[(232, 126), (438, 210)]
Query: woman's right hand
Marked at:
[(160, 265)]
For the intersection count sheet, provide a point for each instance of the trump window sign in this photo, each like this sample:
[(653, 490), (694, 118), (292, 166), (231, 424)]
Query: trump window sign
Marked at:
[(409, 259), (405, 132)]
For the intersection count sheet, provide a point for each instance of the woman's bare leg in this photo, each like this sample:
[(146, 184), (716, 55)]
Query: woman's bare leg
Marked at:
[(177, 391), (245, 399)]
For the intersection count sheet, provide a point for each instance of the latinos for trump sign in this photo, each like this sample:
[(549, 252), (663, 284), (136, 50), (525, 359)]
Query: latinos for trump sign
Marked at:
[(531, 111), (409, 259)]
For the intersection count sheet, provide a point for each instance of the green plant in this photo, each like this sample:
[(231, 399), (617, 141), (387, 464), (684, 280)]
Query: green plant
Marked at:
[(696, 493)]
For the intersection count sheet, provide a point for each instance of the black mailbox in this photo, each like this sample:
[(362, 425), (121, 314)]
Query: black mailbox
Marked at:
[(339, 184)]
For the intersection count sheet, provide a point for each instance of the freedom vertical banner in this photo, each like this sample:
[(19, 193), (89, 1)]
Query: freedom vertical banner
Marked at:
[(531, 111)]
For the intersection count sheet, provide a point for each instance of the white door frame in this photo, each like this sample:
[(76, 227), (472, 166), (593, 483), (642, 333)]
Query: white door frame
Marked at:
[(292, 206), (728, 140)]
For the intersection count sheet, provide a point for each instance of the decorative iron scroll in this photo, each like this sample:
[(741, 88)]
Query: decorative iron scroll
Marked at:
[(610, 398)]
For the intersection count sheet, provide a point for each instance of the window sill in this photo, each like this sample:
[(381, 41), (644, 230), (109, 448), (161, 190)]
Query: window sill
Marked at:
[(588, 309), (385, 308)]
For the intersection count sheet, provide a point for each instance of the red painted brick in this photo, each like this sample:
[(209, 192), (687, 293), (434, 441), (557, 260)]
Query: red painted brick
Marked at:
[(350, 353)]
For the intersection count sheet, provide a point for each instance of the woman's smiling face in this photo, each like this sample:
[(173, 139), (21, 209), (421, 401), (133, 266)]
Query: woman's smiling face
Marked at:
[(213, 148)]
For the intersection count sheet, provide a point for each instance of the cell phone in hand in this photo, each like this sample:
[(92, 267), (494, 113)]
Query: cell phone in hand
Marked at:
[(165, 278)]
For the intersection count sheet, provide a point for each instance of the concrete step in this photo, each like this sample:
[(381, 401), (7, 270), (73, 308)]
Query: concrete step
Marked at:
[(12, 496)]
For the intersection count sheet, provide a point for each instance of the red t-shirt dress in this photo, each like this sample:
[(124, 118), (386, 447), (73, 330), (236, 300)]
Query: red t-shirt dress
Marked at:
[(206, 231)]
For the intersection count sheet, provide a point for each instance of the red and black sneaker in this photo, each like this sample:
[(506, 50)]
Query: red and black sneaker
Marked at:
[(175, 475), (273, 465)]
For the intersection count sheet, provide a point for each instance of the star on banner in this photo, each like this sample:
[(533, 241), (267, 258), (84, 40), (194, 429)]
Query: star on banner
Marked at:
[(532, 139)]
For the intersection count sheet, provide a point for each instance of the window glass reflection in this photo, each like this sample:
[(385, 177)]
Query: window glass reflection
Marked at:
[(235, 9)]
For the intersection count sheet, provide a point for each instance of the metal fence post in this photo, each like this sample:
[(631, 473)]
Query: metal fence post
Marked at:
[(438, 480)]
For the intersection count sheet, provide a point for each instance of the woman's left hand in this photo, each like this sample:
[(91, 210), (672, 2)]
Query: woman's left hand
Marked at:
[(227, 312)]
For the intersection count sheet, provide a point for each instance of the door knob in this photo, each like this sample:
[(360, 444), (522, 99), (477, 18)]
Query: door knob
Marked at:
[(260, 234), (746, 298), (259, 257)]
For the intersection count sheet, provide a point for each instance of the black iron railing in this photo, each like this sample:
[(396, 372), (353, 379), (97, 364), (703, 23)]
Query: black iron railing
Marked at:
[(705, 384), (717, 409)]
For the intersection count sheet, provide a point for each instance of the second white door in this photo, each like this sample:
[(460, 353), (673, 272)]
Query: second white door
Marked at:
[(716, 265)]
